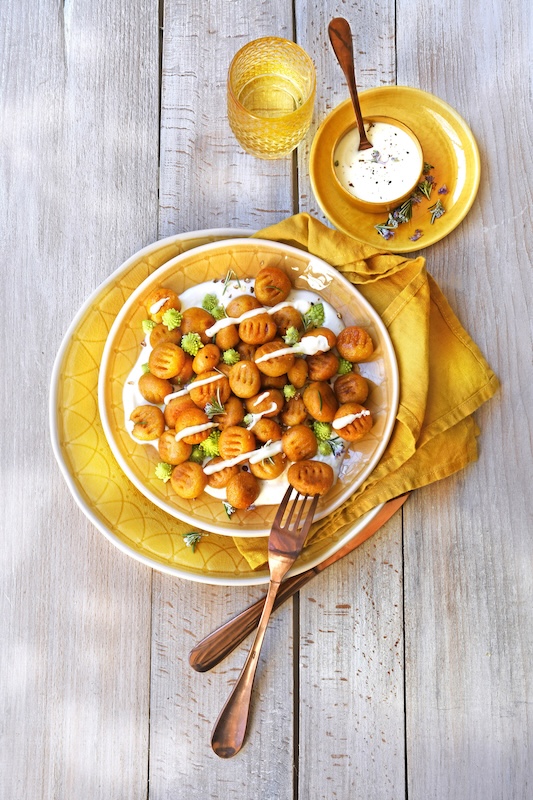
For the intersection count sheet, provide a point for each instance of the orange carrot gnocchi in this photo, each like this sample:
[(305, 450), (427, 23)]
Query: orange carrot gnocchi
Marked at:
[(246, 386)]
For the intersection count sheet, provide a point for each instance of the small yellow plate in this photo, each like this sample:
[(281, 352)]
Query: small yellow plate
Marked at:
[(447, 143)]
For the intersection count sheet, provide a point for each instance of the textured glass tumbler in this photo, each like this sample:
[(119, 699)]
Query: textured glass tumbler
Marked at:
[(271, 96)]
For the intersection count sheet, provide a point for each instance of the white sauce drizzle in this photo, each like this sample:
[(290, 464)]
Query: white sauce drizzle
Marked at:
[(193, 385), (253, 456), (158, 305), (302, 306), (267, 451), (342, 422), (260, 399), (259, 415), (192, 429), (308, 346)]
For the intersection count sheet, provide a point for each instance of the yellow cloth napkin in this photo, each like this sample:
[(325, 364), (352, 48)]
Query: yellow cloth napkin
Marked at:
[(443, 375)]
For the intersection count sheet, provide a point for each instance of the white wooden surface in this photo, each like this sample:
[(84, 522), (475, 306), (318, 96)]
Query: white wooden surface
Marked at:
[(404, 671)]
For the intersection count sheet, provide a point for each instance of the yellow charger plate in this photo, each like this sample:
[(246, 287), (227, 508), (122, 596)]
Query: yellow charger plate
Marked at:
[(447, 143), (108, 499)]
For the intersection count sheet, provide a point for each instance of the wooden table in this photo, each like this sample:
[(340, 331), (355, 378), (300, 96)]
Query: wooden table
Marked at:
[(406, 670)]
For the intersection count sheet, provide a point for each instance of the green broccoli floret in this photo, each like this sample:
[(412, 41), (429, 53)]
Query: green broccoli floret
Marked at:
[(148, 325), (292, 336), (344, 366), (210, 302), (323, 430), (210, 445), (172, 318), (191, 343), (197, 455), (315, 317), (230, 356), (163, 471), (289, 391)]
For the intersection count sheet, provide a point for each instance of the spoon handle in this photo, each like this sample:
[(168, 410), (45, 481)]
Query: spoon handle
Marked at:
[(340, 36)]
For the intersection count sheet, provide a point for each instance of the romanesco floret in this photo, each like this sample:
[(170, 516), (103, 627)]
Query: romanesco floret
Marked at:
[(344, 366), (230, 356), (289, 391), (218, 312), (324, 448), (315, 317), (322, 430), (333, 446), (210, 445), (172, 318), (292, 336), (163, 471), (191, 343), (209, 302), (148, 325), (197, 455)]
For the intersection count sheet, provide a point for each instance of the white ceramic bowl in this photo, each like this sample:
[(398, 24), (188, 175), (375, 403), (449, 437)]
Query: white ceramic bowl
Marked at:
[(245, 257)]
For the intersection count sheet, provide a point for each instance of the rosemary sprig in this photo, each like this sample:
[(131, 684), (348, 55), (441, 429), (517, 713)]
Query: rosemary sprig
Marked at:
[(215, 406), (405, 211), (228, 508), (192, 539), (426, 187), (230, 276), (437, 210)]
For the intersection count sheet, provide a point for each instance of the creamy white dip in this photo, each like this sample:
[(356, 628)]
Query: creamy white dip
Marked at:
[(383, 173)]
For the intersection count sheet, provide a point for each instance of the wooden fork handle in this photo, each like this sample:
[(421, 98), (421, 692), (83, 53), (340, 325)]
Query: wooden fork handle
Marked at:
[(214, 647)]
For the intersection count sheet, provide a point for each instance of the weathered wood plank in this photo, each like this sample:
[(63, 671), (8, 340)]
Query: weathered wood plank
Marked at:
[(351, 675), (208, 181), (351, 657), (79, 172), (468, 608)]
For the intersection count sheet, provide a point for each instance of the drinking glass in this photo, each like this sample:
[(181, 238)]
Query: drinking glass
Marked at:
[(271, 96)]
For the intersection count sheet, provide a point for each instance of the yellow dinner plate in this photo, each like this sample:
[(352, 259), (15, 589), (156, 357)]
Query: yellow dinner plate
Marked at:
[(108, 499), (448, 145)]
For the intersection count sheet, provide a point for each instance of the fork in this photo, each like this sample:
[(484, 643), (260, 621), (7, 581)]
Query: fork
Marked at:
[(284, 546)]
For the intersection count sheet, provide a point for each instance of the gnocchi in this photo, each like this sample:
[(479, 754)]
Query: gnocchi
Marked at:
[(237, 395)]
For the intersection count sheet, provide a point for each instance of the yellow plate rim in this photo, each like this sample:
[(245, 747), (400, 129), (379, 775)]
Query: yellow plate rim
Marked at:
[(320, 157), (248, 577)]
